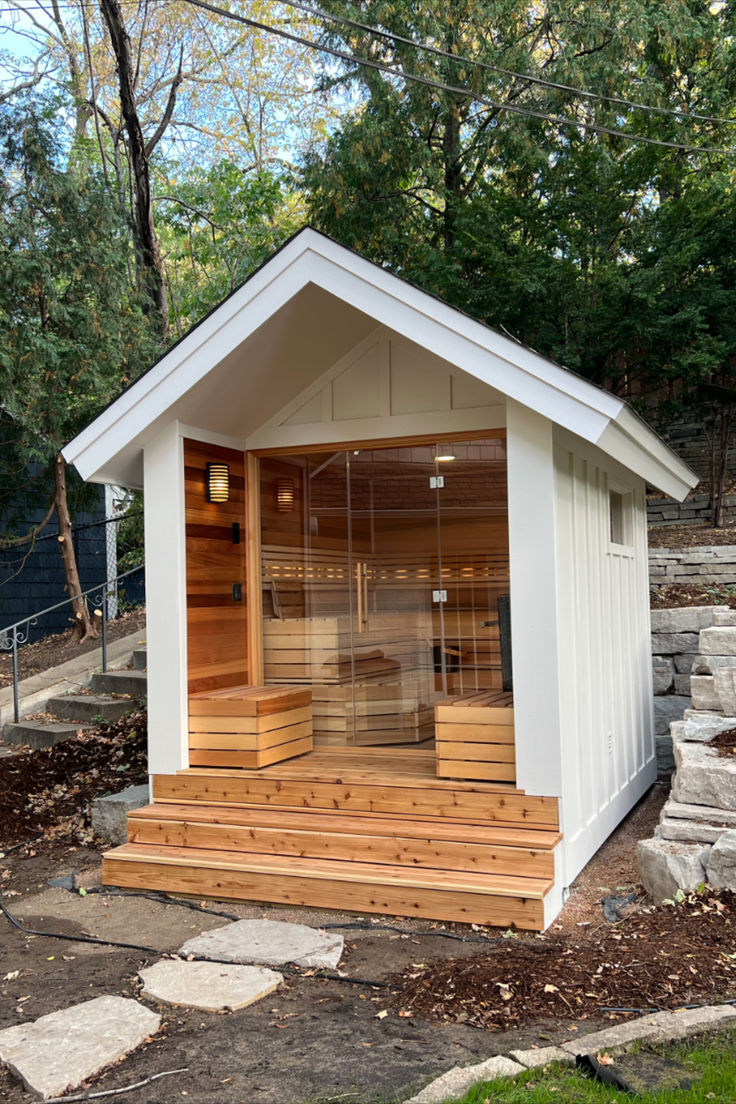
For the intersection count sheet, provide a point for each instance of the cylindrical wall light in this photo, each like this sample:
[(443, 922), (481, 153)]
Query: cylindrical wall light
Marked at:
[(285, 495), (218, 482)]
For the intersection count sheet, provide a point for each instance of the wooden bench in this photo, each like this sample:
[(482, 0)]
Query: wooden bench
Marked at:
[(249, 726), (475, 737)]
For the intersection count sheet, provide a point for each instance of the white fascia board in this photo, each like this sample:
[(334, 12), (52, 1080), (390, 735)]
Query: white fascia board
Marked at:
[(155, 394), (638, 448), (521, 374)]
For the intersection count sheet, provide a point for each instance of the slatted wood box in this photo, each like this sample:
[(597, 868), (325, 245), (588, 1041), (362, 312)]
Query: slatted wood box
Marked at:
[(249, 726), (475, 737)]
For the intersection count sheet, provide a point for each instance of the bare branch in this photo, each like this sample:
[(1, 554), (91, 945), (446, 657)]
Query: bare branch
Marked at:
[(16, 542), (166, 118)]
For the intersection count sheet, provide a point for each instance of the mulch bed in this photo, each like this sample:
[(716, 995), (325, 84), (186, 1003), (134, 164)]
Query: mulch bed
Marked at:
[(692, 594), (690, 536), (50, 790), (724, 744), (56, 649), (657, 958)]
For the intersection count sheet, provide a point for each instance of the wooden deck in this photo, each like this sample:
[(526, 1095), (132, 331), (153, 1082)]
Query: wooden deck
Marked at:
[(370, 829)]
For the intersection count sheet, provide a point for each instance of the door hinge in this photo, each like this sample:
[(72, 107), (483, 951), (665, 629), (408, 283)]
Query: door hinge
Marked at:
[(436, 482), (439, 595)]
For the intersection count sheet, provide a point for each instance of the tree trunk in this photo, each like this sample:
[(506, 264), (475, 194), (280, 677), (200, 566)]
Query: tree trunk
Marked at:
[(719, 464), (84, 624), (147, 248)]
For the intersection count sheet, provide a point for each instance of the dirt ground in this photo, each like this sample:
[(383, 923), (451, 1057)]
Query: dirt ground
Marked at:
[(316, 1039)]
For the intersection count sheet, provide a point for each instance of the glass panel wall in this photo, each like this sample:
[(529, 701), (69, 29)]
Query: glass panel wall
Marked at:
[(381, 573)]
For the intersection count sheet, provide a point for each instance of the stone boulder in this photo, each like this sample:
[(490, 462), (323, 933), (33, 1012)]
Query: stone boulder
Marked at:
[(719, 641), (668, 865), (703, 692), (702, 777), (724, 681), (709, 664), (686, 618), (663, 672), (721, 865)]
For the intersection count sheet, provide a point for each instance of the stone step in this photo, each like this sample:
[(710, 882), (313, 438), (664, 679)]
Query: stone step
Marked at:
[(707, 814), (37, 734), (90, 707), (120, 682), (140, 659)]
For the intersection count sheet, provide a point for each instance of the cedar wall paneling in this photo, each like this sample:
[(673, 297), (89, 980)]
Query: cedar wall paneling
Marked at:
[(216, 625)]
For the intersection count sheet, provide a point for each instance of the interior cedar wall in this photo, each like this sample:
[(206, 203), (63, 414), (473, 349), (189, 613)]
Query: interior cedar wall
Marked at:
[(216, 625)]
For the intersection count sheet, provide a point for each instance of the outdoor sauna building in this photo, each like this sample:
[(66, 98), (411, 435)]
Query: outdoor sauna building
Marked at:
[(398, 618)]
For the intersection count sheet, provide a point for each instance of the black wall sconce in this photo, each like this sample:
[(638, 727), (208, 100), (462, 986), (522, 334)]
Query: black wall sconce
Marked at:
[(218, 482)]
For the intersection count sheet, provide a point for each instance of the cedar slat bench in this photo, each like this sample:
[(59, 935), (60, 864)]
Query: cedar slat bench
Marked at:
[(249, 726), (475, 737)]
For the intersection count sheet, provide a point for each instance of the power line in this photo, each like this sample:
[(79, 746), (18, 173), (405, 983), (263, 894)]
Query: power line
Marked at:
[(518, 109), (461, 58), (391, 36)]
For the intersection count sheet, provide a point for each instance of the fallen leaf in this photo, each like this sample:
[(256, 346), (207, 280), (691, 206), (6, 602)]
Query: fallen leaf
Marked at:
[(381, 1015), (12, 975), (604, 1059), (551, 989)]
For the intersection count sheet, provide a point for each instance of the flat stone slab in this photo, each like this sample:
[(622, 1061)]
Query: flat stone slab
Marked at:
[(56, 1053), (271, 942), (208, 985), (685, 618), (457, 1081), (541, 1056), (707, 814), (717, 641), (661, 1027), (688, 831), (701, 728)]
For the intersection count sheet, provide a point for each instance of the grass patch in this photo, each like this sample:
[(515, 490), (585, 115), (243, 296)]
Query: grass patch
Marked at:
[(711, 1062)]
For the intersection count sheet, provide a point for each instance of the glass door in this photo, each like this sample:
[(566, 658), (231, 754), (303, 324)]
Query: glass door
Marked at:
[(396, 573)]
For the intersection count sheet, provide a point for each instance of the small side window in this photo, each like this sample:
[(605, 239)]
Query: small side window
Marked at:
[(620, 505)]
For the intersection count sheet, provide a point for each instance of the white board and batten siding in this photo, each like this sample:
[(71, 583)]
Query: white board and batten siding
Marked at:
[(604, 662)]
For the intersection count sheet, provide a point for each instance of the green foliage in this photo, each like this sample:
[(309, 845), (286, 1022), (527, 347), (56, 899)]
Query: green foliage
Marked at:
[(613, 258), (217, 225), (72, 332), (711, 1062)]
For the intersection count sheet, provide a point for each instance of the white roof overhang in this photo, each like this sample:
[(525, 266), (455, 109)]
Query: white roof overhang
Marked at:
[(299, 313)]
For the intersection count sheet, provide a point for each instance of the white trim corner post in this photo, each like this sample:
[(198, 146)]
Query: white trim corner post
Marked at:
[(166, 602), (534, 629)]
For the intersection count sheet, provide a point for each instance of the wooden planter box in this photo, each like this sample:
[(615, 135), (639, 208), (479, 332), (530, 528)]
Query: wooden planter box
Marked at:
[(249, 726), (475, 737)]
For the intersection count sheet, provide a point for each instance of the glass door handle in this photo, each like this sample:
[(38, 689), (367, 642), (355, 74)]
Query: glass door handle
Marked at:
[(361, 582)]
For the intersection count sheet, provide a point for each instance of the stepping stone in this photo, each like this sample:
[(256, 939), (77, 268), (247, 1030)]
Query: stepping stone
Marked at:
[(208, 985), (56, 1053), (271, 942)]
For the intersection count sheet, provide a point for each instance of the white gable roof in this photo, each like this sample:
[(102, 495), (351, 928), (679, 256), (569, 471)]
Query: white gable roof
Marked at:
[(310, 302)]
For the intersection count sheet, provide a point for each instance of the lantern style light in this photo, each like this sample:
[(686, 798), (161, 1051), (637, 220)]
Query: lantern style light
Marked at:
[(285, 495), (218, 482)]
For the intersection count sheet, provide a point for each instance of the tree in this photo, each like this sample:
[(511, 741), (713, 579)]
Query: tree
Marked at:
[(72, 331), (611, 256)]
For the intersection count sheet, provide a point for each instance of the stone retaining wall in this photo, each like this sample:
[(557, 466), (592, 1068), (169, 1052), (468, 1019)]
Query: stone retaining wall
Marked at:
[(695, 510), (711, 564)]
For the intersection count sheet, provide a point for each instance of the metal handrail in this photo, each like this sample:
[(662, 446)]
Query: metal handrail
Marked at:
[(16, 635)]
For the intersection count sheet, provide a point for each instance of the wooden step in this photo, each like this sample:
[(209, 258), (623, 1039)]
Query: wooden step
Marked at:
[(501, 900), (358, 792), (348, 837)]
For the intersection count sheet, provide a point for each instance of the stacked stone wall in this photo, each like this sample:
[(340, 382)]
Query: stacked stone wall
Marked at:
[(712, 564)]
